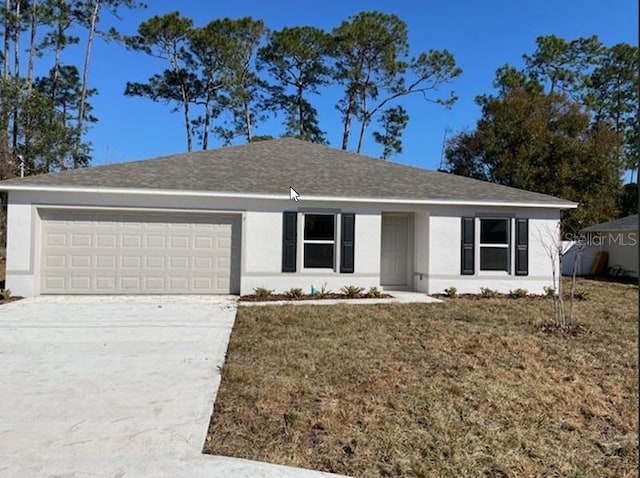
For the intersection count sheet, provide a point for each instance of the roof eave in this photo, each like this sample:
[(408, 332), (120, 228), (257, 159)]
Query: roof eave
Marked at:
[(279, 197), (610, 229)]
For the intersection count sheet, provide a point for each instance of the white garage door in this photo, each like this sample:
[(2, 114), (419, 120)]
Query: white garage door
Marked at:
[(139, 253)]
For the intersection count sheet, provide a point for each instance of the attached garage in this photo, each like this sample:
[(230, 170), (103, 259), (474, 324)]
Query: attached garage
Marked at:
[(116, 252)]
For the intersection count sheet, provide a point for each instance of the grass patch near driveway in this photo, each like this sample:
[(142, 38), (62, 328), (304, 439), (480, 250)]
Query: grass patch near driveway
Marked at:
[(464, 388)]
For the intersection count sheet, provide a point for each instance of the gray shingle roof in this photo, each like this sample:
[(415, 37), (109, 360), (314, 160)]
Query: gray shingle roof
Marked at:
[(622, 224), (270, 167)]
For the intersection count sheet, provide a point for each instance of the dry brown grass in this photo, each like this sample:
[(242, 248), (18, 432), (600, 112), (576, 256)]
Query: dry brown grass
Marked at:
[(465, 388)]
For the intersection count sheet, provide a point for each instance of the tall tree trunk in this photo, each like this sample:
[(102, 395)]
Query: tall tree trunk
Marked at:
[(187, 126), (32, 44), (16, 42), (186, 113), (205, 126), (16, 72), (6, 159), (364, 123), (32, 54), (207, 123), (56, 64), (347, 120), (7, 39), (247, 119), (300, 113), (184, 93), (85, 77)]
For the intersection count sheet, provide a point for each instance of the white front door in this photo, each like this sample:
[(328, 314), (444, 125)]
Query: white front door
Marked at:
[(395, 247)]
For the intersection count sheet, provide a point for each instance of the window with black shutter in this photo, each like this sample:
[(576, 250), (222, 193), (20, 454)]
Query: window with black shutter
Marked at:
[(522, 247), (468, 246), (289, 240), (319, 241), (347, 249)]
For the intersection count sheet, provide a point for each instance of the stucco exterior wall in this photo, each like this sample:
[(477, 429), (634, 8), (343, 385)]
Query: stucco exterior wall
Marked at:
[(263, 254), (444, 251), (421, 269), (261, 248), (435, 240), (21, 244)]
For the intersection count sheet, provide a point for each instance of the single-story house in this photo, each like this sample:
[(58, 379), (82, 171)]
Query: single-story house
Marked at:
[(227, 221), (619, 238)]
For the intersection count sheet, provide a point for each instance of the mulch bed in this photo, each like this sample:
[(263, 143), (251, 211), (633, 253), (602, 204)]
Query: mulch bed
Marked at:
[(564, 330), (503, 296), (280, 297), (10, 299), (481, 297)]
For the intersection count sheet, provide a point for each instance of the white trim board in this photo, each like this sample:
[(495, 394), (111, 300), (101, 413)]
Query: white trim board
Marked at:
[(282, 197)]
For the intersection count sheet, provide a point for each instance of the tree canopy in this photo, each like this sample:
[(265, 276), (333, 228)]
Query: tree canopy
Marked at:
[(373, 65), (297, 58), (562, 125), (44, 119), (547, 144), (236, 74)]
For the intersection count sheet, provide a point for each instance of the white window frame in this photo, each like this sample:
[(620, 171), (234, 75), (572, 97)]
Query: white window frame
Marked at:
[(303, 241), (507, 245)]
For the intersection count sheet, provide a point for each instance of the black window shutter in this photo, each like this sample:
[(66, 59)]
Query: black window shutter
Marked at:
[(347, 243), (467, 254), (289, 241), (522, 247)]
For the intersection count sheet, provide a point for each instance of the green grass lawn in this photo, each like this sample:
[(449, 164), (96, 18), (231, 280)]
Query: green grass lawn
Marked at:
[(471, 387)]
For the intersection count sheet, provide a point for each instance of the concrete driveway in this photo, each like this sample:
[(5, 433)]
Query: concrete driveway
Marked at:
[(115, 387)]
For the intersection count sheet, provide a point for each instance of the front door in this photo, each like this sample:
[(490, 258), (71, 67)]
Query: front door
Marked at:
[(395, 247)]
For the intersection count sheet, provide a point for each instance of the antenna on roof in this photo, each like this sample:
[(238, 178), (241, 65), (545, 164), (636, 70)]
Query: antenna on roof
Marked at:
[(447, 130)]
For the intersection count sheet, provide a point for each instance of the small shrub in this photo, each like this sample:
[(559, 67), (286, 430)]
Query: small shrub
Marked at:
[(294, 293), (262, 292), (290, 418), (518, 293), (352, 291), (618, 271), (374, 292), (5, 294), (322, 292), (451, 292), (581, 294), (549, 291), (488, 293)]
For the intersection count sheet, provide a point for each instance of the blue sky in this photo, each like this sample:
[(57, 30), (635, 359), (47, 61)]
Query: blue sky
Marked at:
[(481, 35)]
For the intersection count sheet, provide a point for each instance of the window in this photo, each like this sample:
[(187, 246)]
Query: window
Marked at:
[(494, 244), (319, 241)]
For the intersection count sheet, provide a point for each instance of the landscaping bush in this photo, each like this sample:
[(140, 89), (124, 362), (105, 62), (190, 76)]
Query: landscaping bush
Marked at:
[(323, 291), (451, 292), (488, 293), (549, 291), (374, 292), (518, 293), (5, 294), (294, 293), (352, 291), (262, 292)]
